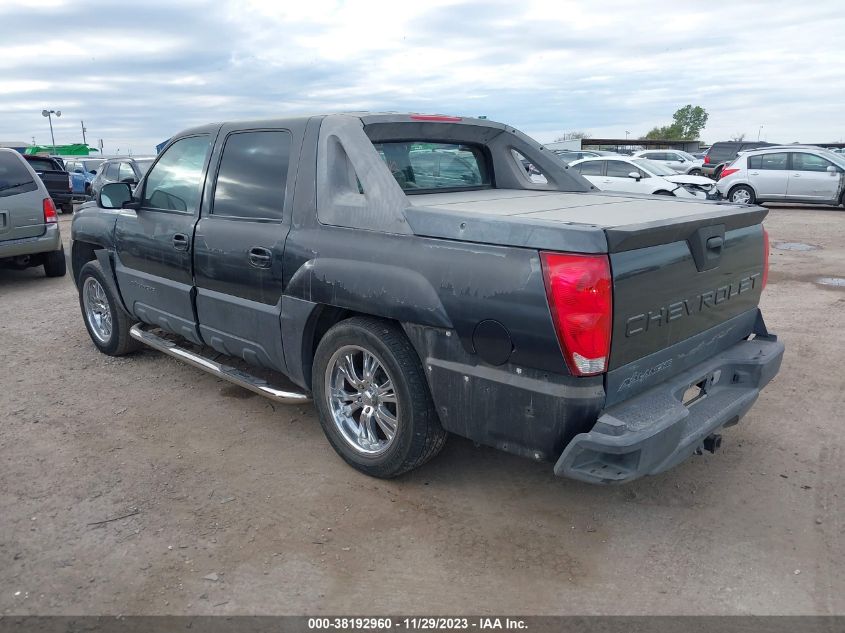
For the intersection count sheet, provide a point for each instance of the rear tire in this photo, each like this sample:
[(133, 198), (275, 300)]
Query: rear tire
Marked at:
[(105, 319), (741, 194), (663, 192), (67, 209), (694, 172), (343, 389), (55, 264)]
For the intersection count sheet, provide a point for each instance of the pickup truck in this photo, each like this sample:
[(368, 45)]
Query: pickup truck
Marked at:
[(407, 274), (55, 178)]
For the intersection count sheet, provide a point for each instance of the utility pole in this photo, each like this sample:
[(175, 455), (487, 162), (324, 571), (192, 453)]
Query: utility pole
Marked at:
[(760, 129), (84, 142)]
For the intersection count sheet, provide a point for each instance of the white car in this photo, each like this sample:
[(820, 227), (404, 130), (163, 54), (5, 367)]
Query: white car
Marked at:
[(681, 162), (788, 173), (638, 175)]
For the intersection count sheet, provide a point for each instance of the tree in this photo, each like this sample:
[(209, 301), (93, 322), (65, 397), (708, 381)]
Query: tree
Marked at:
[(739, 136), (687, 123), (570, 136)]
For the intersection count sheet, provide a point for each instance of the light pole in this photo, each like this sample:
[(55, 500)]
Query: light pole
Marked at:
[(760, 129), (626, 134), (48, 114)]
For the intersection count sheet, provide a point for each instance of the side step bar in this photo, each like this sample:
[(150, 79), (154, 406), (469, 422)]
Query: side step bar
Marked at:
[(236, 376)]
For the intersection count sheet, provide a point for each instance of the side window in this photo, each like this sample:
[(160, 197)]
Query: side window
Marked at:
[(253, 175), (809, 162), (773, 161), (175, 182), (619, 169), (591, 167), (755, 162), (111, 172), (125, 173)]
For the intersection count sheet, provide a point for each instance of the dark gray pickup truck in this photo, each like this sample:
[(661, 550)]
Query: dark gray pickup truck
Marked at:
[(409, 275)]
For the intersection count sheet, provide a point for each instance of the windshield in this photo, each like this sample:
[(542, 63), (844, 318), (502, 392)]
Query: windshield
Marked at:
[(655, 169), (685, 155), (420, 166)]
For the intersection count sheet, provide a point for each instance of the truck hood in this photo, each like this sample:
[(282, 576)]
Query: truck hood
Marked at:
[(600, 222)]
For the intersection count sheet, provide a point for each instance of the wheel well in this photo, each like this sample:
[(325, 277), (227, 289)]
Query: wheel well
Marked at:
[(322, 321), (81, 254)]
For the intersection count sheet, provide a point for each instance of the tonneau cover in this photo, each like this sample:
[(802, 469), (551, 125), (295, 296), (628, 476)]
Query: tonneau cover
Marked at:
[(569, 221)]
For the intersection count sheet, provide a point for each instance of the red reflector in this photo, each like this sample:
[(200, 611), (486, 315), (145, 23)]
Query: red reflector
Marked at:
[(50, 216), (435, 117), (728, 172), (706, 159), (765, 258), (579, 290)]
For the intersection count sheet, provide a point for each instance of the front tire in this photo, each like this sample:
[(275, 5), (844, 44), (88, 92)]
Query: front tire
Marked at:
[(373, 399), (105, 319), (741, 194), (694, 172), (663, 192), (55, 264)]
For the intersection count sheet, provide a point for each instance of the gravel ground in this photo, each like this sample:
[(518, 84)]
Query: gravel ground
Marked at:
[(233, 506)]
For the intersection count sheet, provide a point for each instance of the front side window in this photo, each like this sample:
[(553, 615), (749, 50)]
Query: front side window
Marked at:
[(809, 162), (619, 169), (175, 183), (253, 174), (657, 169), (422, 166)]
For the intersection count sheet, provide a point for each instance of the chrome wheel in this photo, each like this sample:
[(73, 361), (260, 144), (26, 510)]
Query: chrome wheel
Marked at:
[(362, 400), (97, 310), (741, 196)]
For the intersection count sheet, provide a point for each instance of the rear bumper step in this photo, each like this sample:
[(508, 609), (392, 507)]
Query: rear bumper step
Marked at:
[(656, 430), (226, 372)]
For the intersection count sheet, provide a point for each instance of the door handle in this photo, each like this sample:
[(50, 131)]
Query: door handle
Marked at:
[(260, 257), (796, 175), (180, 242)]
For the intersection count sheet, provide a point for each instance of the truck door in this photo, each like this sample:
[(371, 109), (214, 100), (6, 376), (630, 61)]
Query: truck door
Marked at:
[(239, 245), (153, 243)]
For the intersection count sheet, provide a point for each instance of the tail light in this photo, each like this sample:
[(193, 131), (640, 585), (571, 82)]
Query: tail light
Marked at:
[(435, 117), (579, 290), (69, 182), (50, 215), (765, 258), (728, 171), (707, 159)]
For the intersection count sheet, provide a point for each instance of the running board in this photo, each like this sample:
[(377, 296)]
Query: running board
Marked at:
[(233, 375)]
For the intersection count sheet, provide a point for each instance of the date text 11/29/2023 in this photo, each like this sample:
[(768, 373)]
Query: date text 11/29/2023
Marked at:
[(415, 623)]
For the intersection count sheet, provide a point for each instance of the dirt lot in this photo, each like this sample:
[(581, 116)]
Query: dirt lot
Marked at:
[(239, 508)]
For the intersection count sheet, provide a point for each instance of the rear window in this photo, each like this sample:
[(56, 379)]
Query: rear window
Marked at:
[(422, 166), (43, 164), (722, 151), (14, 176)]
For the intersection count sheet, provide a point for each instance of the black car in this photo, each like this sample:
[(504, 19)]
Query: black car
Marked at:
[(723, 152), (53, 174), (126, 169)]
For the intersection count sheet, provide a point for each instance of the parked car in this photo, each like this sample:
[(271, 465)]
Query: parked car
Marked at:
[(786, 173), (82, 171), (29, 229), (723, 152), (612, 335), (674, 159), (126, 169), (55, 178), (639, 175)]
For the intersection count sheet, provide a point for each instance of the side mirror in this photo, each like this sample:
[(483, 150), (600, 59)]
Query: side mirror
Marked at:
[(130, 180), (832, 170), (114, 195), (682, 160), (635, 175)]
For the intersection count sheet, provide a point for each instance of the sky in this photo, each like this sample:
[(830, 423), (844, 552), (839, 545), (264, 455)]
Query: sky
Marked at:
[(138, 72)]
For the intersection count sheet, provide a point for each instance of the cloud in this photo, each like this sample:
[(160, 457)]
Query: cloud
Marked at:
[(138, 73)]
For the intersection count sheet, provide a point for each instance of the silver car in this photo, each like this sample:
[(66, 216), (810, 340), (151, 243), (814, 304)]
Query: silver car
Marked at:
[(29, 225), (681, 162), (787, 173)]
